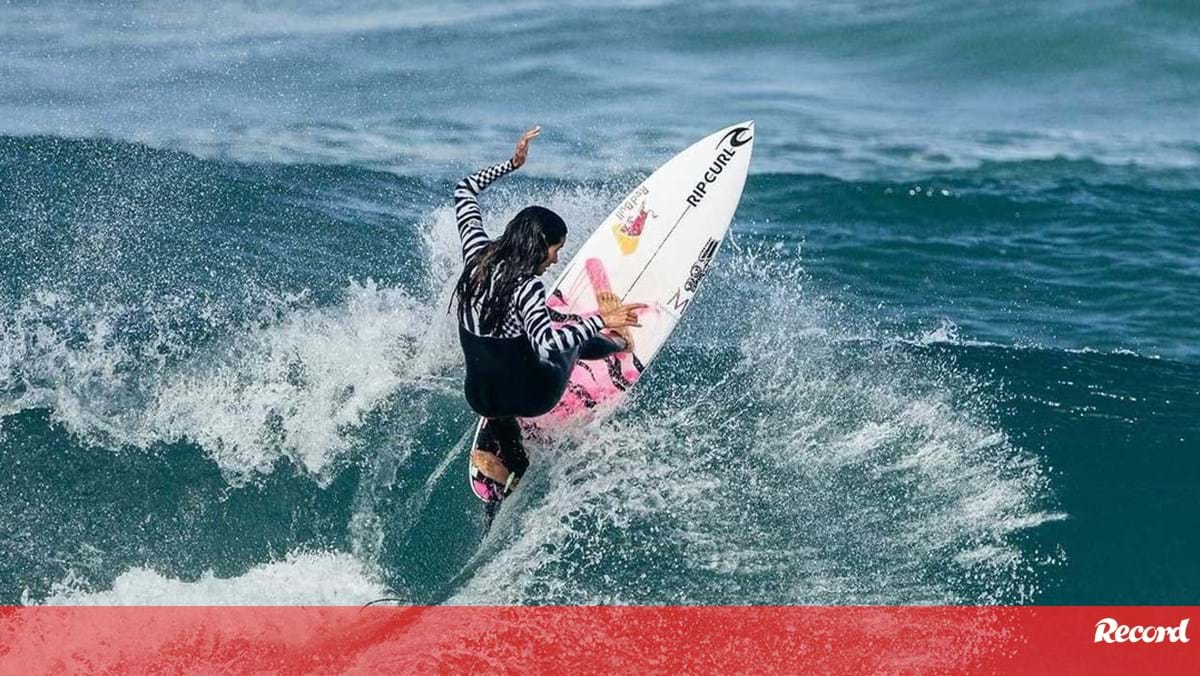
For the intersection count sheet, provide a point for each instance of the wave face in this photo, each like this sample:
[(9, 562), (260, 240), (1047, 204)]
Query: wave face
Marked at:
[(948, 354)]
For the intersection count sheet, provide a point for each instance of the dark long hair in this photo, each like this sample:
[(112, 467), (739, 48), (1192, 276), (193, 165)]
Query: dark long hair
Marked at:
[(507, 261)]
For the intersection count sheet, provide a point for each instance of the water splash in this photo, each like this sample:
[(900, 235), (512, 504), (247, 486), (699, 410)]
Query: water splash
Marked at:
[(765, 461)]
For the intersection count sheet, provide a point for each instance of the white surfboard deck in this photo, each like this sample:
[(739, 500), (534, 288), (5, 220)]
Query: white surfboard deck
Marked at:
[(654, 248)]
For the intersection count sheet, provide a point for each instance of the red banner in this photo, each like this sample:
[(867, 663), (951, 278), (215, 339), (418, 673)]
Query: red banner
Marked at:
[(620, 639)]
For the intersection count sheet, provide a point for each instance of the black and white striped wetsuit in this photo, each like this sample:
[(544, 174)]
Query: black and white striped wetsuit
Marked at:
[(520, 369)]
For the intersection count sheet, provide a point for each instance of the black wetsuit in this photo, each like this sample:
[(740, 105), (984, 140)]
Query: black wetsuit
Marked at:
[(521, 368)]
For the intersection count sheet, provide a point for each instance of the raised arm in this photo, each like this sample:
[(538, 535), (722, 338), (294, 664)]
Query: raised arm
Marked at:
[(466, 207)]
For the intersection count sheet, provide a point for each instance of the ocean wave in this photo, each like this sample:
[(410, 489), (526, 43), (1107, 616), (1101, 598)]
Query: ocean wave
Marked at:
[(789, 447), (765, 459)]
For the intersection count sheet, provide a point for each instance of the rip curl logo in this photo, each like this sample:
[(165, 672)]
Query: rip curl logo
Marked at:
[(736, 138), (1109, 630)]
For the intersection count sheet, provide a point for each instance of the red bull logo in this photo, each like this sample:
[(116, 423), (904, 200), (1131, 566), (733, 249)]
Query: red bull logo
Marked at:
[(629, 232)]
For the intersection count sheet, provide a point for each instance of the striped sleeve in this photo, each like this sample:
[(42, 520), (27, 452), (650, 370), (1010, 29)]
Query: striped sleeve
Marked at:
[(535, 317), (466, 207), (560, 317), (557, 316)]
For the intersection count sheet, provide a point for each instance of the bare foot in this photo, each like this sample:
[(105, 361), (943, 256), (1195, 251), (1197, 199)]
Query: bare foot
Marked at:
[(489, 465)]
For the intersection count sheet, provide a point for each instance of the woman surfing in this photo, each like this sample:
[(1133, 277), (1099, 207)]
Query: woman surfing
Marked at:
[(518, 362)]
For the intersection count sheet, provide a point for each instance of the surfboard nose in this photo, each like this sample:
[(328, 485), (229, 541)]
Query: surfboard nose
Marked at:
[(746, 132)]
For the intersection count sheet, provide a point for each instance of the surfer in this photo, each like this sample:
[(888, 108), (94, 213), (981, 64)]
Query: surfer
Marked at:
[(517, 362)]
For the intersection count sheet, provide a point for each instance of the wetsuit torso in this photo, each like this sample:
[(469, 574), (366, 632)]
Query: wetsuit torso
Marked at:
[(520, 368)]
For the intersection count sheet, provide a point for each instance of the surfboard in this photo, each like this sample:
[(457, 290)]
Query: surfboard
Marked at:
[(655, 248)]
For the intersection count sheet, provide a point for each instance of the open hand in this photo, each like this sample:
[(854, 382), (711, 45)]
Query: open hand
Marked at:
[(518, 157), (622, 316)]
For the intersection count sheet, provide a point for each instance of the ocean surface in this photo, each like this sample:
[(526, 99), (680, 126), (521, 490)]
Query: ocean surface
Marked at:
[(950, 353)]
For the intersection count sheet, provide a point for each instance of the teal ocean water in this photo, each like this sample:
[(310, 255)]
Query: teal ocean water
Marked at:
[(950, 353)]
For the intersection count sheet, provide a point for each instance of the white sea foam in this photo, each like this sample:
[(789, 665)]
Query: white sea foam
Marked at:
[(295, 386), (321, 578)]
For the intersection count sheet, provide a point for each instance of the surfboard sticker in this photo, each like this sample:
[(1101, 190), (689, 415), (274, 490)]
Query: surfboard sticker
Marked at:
[(655, 247)]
